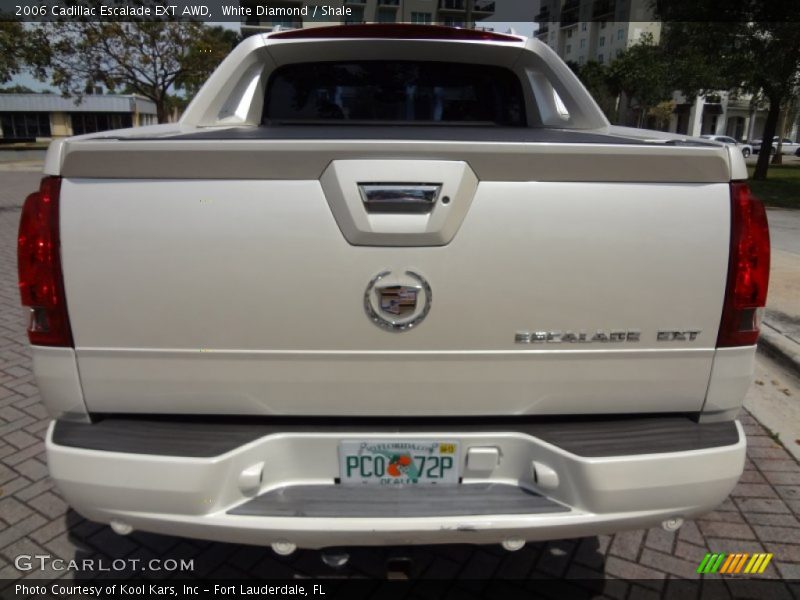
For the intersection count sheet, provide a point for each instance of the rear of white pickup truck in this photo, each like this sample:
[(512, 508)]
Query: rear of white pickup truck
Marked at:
[(393, 285)]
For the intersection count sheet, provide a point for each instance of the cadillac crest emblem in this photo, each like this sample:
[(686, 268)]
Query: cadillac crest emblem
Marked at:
[(397, 302)]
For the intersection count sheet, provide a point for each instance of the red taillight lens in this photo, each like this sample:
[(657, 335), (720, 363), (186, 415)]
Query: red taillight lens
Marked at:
[(748, 270), (41, 283)]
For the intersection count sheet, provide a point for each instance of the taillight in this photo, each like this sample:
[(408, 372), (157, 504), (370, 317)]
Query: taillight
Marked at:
[(748, 270), (41, 283)]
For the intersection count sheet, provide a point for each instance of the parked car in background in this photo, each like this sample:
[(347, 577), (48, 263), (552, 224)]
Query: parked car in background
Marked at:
[(788, 147), (746, 149)]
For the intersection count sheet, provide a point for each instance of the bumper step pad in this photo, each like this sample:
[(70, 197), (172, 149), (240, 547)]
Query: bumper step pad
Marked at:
[(418, 501)]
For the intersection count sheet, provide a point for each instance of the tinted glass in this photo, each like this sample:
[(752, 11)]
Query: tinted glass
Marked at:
[(410, 92)]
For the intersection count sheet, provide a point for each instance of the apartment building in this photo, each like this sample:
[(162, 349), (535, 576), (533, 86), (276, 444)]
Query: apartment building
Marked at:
[(600, 30), (292, 14), (594, 30)]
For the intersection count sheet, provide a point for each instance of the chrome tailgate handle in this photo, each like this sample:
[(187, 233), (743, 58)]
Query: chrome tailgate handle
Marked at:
[(413, 198)]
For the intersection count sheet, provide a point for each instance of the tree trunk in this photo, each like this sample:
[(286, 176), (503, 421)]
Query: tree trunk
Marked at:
[(766, 139), (162, 112), (778, 158)]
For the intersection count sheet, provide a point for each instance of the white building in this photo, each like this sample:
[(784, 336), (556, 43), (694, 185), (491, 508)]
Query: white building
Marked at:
[(598, 30), (45, 116)]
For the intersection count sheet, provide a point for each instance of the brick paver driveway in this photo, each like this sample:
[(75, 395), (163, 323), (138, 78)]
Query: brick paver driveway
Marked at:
[(760, 516)]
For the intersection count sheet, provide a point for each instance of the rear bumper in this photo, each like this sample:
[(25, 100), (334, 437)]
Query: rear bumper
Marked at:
[(598, 490)]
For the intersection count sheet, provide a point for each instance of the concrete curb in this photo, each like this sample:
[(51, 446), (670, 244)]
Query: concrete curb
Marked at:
[(775, 344)]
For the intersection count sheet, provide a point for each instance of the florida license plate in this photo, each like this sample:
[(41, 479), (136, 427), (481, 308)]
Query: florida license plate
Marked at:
[(393, 462)]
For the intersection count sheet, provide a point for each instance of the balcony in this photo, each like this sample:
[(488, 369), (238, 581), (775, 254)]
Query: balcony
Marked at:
[(570, 13), (543, 29), (484, 6), (603, 10), (452, 5), (569, 18)]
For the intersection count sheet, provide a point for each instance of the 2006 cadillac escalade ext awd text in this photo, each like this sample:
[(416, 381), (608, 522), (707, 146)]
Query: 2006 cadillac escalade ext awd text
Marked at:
[(393, 285)]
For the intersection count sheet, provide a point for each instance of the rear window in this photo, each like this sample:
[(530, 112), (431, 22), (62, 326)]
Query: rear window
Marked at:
[(394, 92)]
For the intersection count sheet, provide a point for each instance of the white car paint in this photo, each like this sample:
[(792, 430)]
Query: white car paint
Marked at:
[(214, 277)]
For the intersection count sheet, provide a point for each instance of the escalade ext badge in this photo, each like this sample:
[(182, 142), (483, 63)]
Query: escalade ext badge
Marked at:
[(397, 303)]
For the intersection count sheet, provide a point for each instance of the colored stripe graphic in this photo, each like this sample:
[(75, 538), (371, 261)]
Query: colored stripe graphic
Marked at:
[(732, 558), (734, 564), (755, 562), (704, 564), (740, 564), (763, 566), (711, 563), (715, 567)]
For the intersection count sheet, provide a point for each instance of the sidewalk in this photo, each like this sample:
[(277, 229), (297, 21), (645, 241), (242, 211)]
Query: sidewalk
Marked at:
[(780, 337), (774, 405)]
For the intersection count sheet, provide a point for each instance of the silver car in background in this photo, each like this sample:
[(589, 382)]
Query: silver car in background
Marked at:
[(746, 149), (788, 147)]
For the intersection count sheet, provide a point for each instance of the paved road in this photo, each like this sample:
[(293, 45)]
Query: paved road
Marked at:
[(761, 515), (7, 155), (16, 184)]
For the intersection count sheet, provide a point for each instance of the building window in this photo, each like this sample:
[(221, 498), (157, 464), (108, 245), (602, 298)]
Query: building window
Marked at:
[(90, 122), (356, 15), (600, 58), (583, 43), (569, 33), (620, 34), (602, 24), (569, 48), (25, 125), (602, 42), (581, 60), (453, 22), (619, 52), (583, 26), (422, 18), (287, 22), (386, 15)]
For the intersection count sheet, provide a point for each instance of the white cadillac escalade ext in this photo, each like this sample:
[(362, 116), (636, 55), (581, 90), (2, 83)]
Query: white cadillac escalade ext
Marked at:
[(393, 285)]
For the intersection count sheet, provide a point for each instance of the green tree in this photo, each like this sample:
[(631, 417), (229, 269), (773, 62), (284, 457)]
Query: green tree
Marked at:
[(642, 73), (203, 56), (596, 78), (745, 44), (13, 49), (662, 112), (150, 58)]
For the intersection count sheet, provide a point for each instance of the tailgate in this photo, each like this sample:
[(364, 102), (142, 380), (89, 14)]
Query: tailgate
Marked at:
[(267, 295)]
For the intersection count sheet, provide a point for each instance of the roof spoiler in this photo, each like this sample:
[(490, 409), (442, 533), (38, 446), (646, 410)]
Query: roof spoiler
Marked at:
[(396, 32)]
